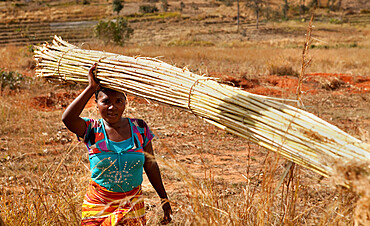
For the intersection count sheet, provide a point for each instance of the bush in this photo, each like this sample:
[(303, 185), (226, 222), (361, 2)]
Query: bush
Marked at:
[(227, 2), (148, 9), (353, 45), (298, 10), (335, 21), (10, 79), (282, 70), (182, 6), (117, 31), (117, 6), (165, 5)]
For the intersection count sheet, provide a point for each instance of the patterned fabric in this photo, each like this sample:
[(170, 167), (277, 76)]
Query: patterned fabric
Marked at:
[(117, 166), (103, 207)]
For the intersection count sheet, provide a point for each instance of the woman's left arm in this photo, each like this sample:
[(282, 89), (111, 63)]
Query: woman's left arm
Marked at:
[(152, 171)]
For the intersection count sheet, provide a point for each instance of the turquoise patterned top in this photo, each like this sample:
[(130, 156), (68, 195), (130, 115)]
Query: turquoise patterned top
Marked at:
[(117, 166)]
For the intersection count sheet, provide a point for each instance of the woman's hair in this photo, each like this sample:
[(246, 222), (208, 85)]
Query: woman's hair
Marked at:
[(102, 89)]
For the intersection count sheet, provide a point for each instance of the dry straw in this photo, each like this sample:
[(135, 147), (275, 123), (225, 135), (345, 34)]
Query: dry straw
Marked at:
[(297, 135)]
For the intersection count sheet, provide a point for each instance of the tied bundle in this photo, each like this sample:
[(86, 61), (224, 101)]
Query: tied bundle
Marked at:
[(297, 135)]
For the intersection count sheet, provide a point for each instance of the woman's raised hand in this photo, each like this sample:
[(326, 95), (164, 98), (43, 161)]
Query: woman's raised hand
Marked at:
[(93, 82)]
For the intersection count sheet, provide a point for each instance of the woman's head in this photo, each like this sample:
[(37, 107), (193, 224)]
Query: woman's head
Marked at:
[(111, 104)]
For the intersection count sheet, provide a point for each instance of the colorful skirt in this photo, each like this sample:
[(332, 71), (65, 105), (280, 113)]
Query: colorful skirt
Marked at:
[(103, 207)]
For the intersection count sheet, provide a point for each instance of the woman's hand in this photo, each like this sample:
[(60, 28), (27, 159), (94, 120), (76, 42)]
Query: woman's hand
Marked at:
[(93, 82), (167, 213)]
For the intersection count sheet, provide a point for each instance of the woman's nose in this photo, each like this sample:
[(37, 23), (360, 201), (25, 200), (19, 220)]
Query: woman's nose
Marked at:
[(110, 107)]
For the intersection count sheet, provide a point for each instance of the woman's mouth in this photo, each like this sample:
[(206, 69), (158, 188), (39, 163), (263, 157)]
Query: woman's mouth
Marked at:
[(112, 114)]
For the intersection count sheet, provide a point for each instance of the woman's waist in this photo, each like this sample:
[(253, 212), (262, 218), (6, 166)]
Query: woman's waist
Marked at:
[(120, 184), (114, 191)]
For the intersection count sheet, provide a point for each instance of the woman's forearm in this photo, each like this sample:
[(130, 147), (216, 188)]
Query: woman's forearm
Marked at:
[(154, 176), (152, 171)]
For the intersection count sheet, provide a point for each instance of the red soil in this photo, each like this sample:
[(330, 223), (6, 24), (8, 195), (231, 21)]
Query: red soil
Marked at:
[(53, 101), (273, 85)]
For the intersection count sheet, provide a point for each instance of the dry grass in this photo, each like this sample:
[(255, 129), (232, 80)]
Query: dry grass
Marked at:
[(238, 62)]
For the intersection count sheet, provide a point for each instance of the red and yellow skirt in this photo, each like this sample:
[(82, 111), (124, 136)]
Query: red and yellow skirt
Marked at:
[(103, 207)]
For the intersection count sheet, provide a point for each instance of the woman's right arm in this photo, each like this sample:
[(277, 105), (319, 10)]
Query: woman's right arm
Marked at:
[(71, 116)]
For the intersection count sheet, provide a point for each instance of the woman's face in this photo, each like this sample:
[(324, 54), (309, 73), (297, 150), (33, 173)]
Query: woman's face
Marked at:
[(111, 105)]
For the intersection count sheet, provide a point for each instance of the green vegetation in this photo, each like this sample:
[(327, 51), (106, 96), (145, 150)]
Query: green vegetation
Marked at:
[(117, 6), (153, 16), (190, 43), (165, 5), (336, 21), (227, 2), (336, 46), (117, 31), (148, 9), (10, 79), (182, 6)]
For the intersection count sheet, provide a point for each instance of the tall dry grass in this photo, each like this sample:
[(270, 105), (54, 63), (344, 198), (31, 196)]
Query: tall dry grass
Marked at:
[(39, 176), (297, 202), (251, 61)]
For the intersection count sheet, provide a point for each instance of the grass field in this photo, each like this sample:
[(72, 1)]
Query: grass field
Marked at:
[(212, 177)]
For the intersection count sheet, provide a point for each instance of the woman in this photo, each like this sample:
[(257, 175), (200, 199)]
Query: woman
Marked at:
[(119, 149)]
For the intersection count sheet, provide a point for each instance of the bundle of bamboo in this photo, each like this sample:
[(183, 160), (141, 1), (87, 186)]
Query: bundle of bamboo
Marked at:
[(297, 135)]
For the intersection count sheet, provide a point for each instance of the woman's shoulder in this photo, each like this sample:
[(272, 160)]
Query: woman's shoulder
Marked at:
[(138, 122), (140, 126), (95, 123)]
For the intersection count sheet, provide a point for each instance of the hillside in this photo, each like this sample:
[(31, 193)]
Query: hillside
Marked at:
[(186, 22)]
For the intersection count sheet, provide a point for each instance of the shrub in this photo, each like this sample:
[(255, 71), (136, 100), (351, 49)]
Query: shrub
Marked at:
[(117, 6), (298, 10), (335, 21), (10, 79), (148, 9), (117, 31), (165, 5), (227, 2), (353, 45), (282, 70), (313, 4), (182, 6)]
